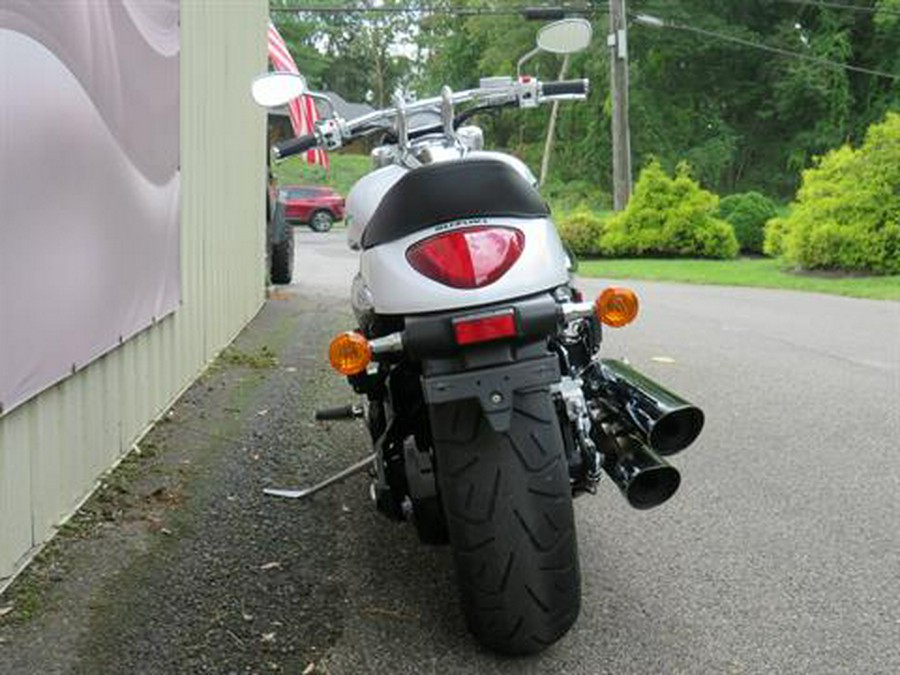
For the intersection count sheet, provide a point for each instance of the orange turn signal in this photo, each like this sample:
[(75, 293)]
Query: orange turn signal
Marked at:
[(616, 306), (349, 353)]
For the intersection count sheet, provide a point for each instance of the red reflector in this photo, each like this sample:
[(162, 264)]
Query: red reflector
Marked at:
[(485, 329), (467, 258)]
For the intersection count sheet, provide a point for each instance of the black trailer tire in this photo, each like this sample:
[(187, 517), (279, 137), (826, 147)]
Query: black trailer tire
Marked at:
[(321, 221), (282, 260), (508, 506)]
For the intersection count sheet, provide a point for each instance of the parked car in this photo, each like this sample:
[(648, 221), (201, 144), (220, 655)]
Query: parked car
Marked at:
[(317, 207)]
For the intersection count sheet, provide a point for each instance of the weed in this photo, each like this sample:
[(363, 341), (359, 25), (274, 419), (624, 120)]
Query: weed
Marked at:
[(264, 357)]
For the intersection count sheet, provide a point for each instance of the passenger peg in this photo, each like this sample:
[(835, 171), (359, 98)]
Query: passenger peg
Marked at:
[(344, 412)]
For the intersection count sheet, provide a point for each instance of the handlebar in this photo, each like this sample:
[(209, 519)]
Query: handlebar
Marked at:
[(565, 88), (294, 146), (493, 93)]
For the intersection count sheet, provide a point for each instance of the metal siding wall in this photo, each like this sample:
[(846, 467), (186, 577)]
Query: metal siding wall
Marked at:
[(54, 448)]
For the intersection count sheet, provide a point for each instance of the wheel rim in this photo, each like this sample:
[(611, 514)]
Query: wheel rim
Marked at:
[(321, 221)]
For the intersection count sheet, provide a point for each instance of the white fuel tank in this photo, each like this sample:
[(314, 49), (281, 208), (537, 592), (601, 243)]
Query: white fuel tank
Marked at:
[(364, 198)]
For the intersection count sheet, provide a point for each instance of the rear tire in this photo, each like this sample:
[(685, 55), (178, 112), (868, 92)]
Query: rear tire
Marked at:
[(509, 514), (428, 517), (282, 260)]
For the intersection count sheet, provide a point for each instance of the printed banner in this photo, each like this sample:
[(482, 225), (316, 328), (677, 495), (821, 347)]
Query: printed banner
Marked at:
[(89, 182)]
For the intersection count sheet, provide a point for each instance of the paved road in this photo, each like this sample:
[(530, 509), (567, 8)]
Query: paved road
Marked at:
[(780, 553)]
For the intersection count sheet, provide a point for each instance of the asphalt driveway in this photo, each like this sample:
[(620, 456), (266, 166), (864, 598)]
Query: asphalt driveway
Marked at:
[(780, 553)]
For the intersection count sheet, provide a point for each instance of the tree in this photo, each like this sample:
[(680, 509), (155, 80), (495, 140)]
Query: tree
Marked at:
[(744, 118), (352, 53), (301, 33), (847, 212)]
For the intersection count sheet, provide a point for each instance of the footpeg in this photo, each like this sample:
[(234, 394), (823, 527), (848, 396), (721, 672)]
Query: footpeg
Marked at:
[(336, 478), (344, 412)]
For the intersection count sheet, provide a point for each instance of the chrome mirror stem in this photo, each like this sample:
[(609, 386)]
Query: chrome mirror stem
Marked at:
[(447, 113), (525, 58)]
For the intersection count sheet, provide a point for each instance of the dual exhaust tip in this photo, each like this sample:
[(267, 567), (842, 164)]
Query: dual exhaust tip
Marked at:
[(645, 479), (648, 422)]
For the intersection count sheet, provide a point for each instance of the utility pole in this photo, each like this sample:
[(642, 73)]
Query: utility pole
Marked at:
[(617, 41)]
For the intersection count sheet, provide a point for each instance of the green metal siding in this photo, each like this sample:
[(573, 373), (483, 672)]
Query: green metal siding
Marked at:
[(55, 447)]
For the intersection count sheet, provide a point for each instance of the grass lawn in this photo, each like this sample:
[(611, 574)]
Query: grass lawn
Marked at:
[(345, 171), (762, 272)]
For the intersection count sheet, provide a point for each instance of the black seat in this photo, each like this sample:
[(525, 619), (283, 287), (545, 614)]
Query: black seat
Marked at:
[(439, 193)]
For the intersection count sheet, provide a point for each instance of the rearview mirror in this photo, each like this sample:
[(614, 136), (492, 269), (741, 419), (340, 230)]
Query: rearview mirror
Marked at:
[(275, 89), (566, 36)]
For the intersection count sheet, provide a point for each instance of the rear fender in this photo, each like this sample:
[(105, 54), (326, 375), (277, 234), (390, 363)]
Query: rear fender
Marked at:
[(432, 335), (493, 387)]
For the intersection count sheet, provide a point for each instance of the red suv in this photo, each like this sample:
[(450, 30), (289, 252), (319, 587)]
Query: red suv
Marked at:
[(317, 207)]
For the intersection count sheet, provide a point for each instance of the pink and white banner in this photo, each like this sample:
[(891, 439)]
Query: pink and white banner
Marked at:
[(89, 182)]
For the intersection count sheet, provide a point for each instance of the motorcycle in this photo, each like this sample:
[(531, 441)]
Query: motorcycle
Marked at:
[(487, 400)]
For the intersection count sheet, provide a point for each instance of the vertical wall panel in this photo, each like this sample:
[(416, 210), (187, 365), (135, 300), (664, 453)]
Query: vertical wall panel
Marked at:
[(54, 447), (15, 491)]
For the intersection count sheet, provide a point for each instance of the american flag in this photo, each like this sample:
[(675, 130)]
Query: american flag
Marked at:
[(302, 110)]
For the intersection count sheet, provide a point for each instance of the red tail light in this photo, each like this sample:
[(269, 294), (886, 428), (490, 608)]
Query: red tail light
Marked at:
[(468, 258), (471, 330)]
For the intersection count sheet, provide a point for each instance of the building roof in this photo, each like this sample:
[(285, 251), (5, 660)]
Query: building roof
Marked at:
[(345, 108)]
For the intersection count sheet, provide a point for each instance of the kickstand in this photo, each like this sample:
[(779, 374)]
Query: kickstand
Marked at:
[(311, 490)]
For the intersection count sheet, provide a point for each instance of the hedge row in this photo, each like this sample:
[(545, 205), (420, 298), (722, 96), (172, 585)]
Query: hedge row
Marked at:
[(846, 215)]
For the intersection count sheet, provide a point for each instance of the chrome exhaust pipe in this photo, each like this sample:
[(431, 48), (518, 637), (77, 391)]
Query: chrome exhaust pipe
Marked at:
[(664, 420), (645, 478)]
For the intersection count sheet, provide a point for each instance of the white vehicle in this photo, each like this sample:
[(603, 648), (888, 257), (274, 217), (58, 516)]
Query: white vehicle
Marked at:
[(488, 405)]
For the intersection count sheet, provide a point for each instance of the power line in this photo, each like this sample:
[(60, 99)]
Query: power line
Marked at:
[(450, 11), (515, 11), (822, 4), (819, 4), (656, 22)]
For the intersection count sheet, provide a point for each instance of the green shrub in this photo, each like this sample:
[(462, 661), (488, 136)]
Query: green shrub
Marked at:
[(773, 238), (748, 213), (669, 217), (581, 230), (847, 212)]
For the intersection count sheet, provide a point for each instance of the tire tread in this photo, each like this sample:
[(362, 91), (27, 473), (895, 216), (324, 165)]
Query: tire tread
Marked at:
[(510, 520)]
